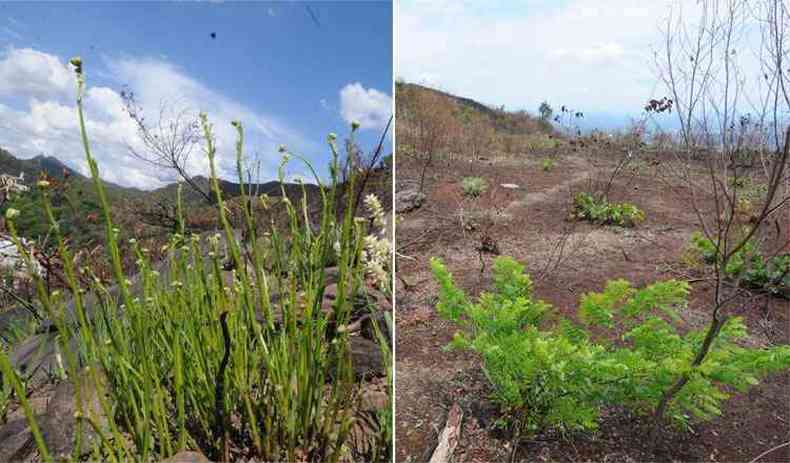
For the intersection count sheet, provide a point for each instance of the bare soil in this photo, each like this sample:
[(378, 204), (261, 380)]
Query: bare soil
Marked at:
[(527, 223)]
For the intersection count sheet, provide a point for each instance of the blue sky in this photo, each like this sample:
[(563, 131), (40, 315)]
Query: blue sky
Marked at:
[(592, 55), (291, 72)]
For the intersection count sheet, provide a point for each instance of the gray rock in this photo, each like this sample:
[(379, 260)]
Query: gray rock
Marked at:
[(59, 425), (16, 441), (366, 358), (408, 200)]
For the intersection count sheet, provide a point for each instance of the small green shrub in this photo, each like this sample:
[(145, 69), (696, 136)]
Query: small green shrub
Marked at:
[(536, 142), (547, 164), (549, 372), (749, 193), (749, 265), (598, 210), (473, 186)]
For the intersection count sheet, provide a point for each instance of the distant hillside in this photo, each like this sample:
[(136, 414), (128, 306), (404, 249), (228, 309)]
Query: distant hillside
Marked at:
[(53, 167), (229, 190), (510, 122), (76, 206), (33, 167)]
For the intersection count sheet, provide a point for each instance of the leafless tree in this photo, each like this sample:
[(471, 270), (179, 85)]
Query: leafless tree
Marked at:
[(704, 65), (168, 141), (426, 125)]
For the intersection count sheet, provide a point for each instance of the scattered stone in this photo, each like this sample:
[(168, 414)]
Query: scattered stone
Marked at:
[(366, 358), (59, 425), (374, 398), (16, 440), (366, 435), (510, 186), (408, 200)]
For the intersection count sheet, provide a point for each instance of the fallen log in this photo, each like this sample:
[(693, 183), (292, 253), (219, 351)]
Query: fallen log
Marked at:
[(448, 439)]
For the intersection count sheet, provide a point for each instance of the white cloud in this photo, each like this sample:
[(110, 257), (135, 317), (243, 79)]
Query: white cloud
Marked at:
[(370, 107), (592, 55), (523, 55), (32, 73), (46, 120)]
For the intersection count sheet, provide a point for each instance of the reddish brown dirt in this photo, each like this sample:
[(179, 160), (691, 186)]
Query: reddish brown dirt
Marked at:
[(526, 223)]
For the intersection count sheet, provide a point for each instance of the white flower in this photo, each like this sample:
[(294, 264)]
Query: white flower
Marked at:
[(376, 210), (11, 213), (376, 258), (43, 184), (354, 125)]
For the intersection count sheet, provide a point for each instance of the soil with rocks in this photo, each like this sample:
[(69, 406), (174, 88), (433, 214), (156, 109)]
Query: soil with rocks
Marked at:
[(566, 258)]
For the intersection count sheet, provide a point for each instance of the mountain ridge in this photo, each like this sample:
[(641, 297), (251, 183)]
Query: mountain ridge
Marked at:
[(57, 169)]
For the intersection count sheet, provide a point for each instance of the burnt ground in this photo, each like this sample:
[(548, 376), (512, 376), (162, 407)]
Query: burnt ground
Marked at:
[(529, 223)]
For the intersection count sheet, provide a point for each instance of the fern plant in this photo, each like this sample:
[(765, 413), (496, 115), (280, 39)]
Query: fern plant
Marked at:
[(551, 372)]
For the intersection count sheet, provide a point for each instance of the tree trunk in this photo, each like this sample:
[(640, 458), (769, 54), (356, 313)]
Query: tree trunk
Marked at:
[(669, 394)]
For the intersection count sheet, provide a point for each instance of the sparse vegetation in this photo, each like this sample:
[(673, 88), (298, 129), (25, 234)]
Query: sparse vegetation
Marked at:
[(748, 266), (633, 365), (473, 186), (597, 209), (547, 164)]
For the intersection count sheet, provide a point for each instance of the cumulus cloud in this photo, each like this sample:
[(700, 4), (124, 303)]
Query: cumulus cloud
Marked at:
[(33, 73), (45, 122), (370, 107)]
